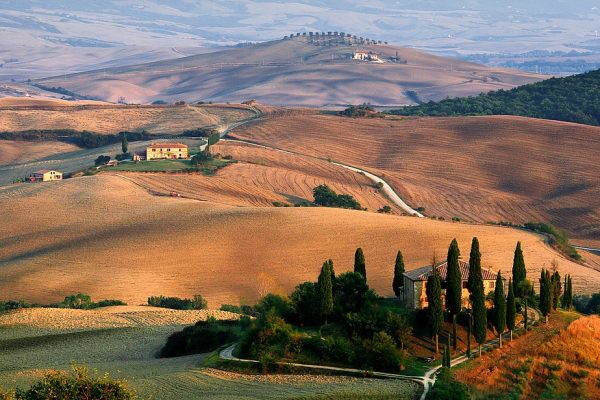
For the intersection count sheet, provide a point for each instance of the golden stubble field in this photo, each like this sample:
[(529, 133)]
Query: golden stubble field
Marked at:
[(13, 152), (263, 176), (105, 119), (108, 237), (477, 168)]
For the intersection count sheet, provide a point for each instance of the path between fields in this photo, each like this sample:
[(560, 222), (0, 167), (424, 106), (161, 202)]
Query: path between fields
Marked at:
[(387, 188), (428, 380)]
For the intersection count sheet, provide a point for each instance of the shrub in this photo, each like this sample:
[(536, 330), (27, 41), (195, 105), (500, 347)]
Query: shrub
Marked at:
[(268, 337), (176, 303), (280, 305), (203, 337), (385, 209), (352, 293), (384, 353), (202, 157), (101, 160), (305, 304), (244, 309), (123, 156), (326, 197), (80, 385), (446, 387), (363, 110)]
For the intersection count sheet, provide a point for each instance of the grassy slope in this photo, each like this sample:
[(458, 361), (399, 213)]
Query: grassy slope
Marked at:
[(478, 168), (107, 237), (160, 120), (12, 151), (546, 363), (291, 72)]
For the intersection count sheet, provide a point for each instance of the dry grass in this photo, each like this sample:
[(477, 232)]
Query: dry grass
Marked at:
[(12, 152), (106, 236), (478, 168), (262, 177), (558, 360), (115, 118)]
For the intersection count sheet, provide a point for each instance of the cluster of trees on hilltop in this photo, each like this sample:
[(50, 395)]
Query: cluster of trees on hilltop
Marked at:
[(572, 99)]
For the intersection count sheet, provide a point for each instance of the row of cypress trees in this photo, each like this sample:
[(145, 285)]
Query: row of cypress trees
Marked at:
[(551, 290)]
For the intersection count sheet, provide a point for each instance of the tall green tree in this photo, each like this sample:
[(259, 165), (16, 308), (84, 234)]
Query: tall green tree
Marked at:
[(469, 329), (519, 273), (453, 286), (563, 302), (398, 282), (124, 142), (325, 286), (545, 294), (475, 276), (477, 295), (499, 308), (511, 309), (527, 289), (556, 289), (359, 263), (435, 311)]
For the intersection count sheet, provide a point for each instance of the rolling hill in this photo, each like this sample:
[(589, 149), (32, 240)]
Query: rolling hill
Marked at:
[(476, 168), (108, 237), (295, 71)]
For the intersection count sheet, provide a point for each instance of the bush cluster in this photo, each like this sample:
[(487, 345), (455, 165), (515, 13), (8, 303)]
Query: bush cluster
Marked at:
[(203, 337), (327, 197), (196, 303)]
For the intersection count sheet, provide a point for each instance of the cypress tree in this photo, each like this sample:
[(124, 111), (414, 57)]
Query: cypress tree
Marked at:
[(359, 263), (511, 309), (469, 328), (447, 355), (332, 274), (519, 273), (124, 142), (325, 287), (474, 268), (556, 289), (563, 302), (499, 308), (570, 296), (398, 274), (453, 286), (479, 311), (435, 311), (545, 294)]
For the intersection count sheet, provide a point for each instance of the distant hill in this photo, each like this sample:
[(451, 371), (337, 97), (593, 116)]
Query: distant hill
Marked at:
[(572, 99), (303, 70)]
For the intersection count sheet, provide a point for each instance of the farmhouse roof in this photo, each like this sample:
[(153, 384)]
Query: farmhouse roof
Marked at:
[(421, 274), (169, 145)]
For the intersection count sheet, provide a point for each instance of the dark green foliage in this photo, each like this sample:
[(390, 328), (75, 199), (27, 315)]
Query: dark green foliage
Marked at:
[(280, 305), (545, 293), (475, 276), (101, 160), (384, 353), (385, 209), (572, 99), (398, 327), (359, 263), (519, 273), (398, 281), (242, 309), (176, 303), (200, 158), (269, 337), (325, 288), (435, 310), (84, 302), (124, 142), (587, 304), (557, 237), (122, 156), (453, 280), (448, 388), (469, 333), (567, 299), (305, 303), (556, 289), (511, 307), (326, 197), (59, 386), (363, 110), (214, 138), (446, 358), (352, 293), (499, 306), (479, 314), (203, 337)]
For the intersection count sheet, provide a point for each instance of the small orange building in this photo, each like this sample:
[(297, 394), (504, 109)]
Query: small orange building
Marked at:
[(166, 150)]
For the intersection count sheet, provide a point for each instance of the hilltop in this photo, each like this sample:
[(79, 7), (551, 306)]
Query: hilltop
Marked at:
[(301, 70), (572, 99), (476, 168)]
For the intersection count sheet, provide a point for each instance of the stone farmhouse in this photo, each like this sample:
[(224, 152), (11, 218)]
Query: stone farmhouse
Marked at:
[(165, 150), (46, 175), (413, 293)]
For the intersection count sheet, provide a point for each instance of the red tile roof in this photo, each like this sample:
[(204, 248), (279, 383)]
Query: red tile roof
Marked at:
[(168, 145), (421, 274)]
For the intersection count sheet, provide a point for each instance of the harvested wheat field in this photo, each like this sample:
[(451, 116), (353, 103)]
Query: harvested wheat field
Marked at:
[(262, 177), (108, 237), (12, 151), (561, 360), (107, 119), (44, 102), (477, 168)]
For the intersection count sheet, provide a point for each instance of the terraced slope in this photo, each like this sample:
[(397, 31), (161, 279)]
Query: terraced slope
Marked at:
[(477, 168), (108, 237)]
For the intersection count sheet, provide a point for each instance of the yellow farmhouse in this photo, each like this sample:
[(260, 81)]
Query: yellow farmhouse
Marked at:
[(46, 175), (413, 292), (158, 151)]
